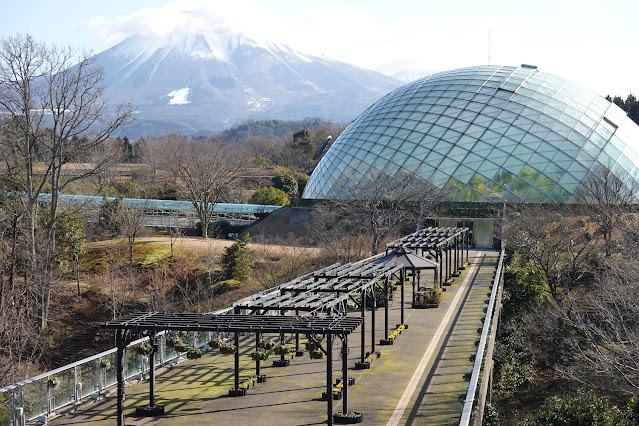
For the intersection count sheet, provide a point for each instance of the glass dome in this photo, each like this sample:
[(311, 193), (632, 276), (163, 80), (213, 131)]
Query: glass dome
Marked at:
[(486, 133)]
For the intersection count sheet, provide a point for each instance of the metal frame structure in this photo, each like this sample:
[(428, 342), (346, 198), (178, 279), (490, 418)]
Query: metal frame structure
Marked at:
[(151, 323), (439, 242)]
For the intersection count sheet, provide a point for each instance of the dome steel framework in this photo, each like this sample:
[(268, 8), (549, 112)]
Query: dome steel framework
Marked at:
[(486, 133)]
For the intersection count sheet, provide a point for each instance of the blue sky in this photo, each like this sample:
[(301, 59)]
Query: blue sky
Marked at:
[(591, 42)]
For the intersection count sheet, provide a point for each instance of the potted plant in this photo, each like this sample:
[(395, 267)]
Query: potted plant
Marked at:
[(144, 349), (193, 353), (259, 355), (53, 382), (310, 346), (352, 417), (267, 345), (105, 363), (280, 349), (227, 349), (215, 343), (316, 354), (149, 411)]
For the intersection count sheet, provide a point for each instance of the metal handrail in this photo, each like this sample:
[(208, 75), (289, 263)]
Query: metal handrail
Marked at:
[(479, 358)]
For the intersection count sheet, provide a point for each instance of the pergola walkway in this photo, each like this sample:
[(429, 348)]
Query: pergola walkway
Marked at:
[(195, 392)]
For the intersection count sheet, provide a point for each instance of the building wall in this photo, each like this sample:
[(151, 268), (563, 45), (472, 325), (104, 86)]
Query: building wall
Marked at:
[(482, 229)]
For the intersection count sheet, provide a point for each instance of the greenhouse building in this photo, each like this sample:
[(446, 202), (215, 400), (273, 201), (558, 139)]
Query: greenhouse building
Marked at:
[(486, 133)]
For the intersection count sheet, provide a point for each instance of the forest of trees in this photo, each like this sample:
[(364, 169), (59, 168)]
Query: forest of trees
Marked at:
[(630, 105)]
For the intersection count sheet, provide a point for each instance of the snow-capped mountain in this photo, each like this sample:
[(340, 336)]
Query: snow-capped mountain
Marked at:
[(207, 81)]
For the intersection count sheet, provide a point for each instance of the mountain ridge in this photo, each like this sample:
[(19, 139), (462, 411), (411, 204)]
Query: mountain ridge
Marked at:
[(198, 82)]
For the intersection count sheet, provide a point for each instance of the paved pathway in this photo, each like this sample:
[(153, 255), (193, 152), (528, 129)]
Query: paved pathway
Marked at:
[(194, 392)]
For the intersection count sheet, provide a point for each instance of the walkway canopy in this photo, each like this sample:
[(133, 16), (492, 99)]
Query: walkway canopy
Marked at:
[(157, 321)]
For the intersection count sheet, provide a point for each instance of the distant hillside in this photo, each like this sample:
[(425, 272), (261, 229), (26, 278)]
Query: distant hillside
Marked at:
[(273, 129), (205, 81)]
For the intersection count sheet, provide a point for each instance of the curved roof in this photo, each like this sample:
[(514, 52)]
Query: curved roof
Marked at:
[(486, 133)]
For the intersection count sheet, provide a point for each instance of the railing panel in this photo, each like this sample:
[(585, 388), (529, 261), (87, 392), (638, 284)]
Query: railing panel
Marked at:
[(6, 408), (35, 398)]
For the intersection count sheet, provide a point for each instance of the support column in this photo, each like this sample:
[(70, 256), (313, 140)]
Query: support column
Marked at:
[(119, 366), (257, 347), (363, 331), (297, 335), (401, 279), (329, 377), (386, 290), (345, 374), (374, 305), (154, 344), (441, 266), (413, 304), (237, 361)]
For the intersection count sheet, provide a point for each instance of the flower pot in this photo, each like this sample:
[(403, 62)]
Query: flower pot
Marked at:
[(281, 363), (237, 392), (336, 395), (261, 378), (350, 418), (362, 365), (386, 342), (146, 411)]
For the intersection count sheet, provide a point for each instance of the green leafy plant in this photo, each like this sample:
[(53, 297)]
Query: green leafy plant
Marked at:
[(281, 349), (53, 382), (227, 349), (316, 354), (259, 355), (215, 343), (144, 349), (193, 353)]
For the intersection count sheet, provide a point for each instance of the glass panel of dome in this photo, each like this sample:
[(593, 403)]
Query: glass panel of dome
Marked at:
[(439, 178), (453, 187), (509, 196), (592, 149), (445, 121), (498, 156), (443, 147), (535, 196), (559, 194), (520, 187), (504, 177), (483, 120), (468, 194), (482, 148), (474, 131), (530, 174)]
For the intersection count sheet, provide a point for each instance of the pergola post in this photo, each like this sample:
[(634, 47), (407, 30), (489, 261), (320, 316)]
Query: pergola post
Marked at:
[(297, 335), (154, 344), (363, 333), (441, 265), (237, 361), (386, 288), (329, 377), (374, 306), (345, 374), (414, 274), (257, 361), (120, 343), (467, 244), (401, 279), (236, 381)]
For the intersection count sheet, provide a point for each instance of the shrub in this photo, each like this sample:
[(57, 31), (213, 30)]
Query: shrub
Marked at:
[(238, 259), (584, 408), (269, 196), (286, 183), (193, 353)]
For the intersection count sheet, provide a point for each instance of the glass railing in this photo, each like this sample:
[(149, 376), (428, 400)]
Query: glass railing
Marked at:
[(88, 378)]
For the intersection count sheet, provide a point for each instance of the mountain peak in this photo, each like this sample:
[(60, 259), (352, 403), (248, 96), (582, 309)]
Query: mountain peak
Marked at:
[(209, 79)]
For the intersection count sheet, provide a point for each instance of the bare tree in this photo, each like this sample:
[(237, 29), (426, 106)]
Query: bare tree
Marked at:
[(202, 171), (130, 221), (53, 99), (606, 198), (559, 249), (280, 261), (606, 350), (375, 202)]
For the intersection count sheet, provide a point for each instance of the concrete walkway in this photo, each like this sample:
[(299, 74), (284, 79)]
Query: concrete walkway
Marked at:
[(194, 392)]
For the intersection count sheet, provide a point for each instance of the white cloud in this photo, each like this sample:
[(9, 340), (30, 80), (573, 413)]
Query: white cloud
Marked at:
[(426, 36)]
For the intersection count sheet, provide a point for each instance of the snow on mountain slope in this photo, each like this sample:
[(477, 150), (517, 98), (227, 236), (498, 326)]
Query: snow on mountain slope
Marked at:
[(209, 80)]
